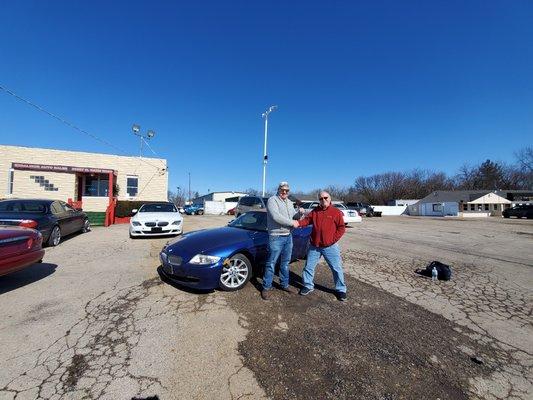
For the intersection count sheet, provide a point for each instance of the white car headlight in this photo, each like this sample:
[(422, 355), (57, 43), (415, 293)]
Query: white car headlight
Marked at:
[(202, 259), (135, 223), (176, 222)]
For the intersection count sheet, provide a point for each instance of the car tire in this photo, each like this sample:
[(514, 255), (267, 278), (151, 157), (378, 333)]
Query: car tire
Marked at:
[(86, 226), (236, 273), (200, 212), (55, 237), (506, 216)]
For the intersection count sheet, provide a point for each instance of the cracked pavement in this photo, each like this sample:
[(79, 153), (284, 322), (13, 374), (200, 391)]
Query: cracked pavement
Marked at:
[(94, 321), (490, 297), (102, 325)]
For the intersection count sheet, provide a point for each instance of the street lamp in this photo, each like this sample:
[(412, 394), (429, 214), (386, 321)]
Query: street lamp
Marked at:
[(265, 157), (137, 132)]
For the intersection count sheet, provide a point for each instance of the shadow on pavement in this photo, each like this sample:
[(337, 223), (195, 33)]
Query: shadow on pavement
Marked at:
[(26, 276), (295, 280)]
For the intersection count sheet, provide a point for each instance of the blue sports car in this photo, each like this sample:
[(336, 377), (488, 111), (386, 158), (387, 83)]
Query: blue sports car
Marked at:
[(224, 257)]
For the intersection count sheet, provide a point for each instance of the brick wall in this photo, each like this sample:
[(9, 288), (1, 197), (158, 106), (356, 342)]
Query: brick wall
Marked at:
[(153, 182)]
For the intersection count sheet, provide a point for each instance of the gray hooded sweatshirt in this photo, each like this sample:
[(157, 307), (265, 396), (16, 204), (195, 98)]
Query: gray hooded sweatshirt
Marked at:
[(280, 216)]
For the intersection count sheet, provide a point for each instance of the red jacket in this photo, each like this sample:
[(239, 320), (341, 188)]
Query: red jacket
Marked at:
[(328, 225)]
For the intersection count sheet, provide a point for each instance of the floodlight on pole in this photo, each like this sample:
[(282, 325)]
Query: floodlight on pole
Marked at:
[(265, 156), (137, 132)]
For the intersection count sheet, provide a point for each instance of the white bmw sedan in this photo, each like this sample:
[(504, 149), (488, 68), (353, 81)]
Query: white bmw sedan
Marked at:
[(156, 219)]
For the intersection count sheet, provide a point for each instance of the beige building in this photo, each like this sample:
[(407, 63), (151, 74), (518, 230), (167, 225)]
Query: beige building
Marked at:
[(27, 172)]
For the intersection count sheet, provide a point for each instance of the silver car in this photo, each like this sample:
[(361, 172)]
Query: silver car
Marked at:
[(250, 203)]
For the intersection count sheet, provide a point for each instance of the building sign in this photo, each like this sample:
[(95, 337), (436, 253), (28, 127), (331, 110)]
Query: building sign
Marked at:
[(60, 168)]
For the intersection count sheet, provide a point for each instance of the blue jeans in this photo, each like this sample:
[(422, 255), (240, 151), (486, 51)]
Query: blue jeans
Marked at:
[(278, 246), (332, 255)]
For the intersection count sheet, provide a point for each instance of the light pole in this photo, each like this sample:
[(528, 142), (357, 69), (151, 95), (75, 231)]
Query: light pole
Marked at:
[(137, 132), (265, 157), (189, 188)]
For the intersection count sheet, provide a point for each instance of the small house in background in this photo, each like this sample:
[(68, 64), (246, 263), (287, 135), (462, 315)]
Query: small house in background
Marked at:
[(461, 203)]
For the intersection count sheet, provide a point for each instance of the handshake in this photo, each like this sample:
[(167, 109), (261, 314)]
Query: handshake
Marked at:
[(301, 211)]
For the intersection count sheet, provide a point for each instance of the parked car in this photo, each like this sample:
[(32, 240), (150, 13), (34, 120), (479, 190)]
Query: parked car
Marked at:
[(225, 257), (19, 248), (350, 216), (193, 209), (361, 208), (53, 218), (156, 219), (519, 211), (250, 203)]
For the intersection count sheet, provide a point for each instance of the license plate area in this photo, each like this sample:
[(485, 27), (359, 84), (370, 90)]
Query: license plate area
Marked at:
[(156, 229)]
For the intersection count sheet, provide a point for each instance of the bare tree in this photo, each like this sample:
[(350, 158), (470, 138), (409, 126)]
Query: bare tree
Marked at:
[(179, 197), (252, 192), (524, 158)]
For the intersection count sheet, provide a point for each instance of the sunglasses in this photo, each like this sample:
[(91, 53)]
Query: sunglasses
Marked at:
[(284, 190), (323, 198)]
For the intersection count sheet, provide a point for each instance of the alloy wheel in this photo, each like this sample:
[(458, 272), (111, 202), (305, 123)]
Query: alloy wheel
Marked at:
[(235, 273), (86, 226), (55, 236)]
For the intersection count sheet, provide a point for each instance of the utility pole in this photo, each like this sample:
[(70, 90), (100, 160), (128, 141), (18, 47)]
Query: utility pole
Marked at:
[(265, 157)]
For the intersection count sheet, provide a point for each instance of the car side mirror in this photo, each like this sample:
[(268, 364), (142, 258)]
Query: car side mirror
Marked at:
[(134, 211), (231, 221)]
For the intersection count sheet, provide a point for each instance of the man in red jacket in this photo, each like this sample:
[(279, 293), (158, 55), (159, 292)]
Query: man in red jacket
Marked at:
[(328, 228)]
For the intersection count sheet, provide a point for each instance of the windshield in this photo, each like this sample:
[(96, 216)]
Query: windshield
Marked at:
[(255, 221), (18, 206), (340, 205), (158, 208)]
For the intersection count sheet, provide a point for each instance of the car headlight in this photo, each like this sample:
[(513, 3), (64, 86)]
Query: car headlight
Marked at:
[(176, 222), (135, 223), (202, 259)]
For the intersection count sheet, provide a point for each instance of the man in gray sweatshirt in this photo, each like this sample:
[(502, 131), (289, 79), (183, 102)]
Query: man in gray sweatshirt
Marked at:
[(281, 219)]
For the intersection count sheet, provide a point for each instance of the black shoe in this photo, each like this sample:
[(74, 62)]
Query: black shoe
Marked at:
[(341, 296), (265, 294), (305, 291)]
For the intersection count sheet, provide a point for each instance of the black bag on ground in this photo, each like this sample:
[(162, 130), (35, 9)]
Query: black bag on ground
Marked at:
[(444, 271)]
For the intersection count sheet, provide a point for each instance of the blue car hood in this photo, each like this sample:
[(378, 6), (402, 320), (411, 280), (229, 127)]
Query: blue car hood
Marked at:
[(208, 241)]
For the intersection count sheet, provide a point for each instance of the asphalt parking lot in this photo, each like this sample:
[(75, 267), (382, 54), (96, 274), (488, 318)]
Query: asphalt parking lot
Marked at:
[(95, 321)]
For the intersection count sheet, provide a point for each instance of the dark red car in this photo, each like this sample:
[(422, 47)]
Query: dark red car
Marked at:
[(19, 248)]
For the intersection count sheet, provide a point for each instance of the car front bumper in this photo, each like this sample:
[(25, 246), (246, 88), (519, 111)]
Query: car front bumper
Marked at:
[(146, 231), (202, 277)]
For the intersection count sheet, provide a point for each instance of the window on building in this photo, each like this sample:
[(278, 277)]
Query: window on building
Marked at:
[(437, 207), (495, 207), (486, 207), (472, 207), (132, 185), (465, 207), (96, 186), (10, 182)]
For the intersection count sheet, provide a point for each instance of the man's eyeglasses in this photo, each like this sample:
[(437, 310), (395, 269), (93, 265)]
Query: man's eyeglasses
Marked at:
[(284, 190), (323, 198)]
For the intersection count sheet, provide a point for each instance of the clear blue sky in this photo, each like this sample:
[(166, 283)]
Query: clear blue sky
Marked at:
[(362, 87)]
